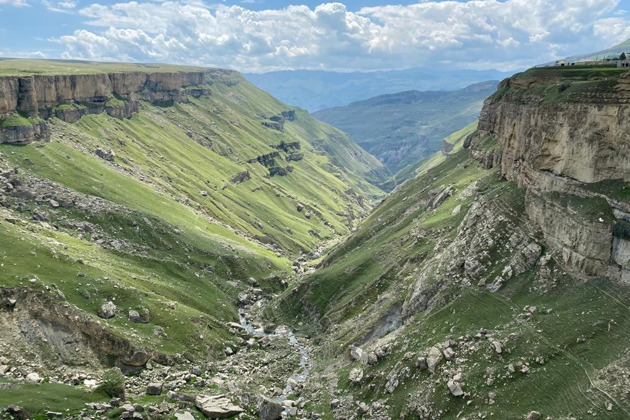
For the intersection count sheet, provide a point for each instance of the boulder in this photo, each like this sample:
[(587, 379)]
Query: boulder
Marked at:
[(109, 155), (134, 316), (33, 377), (184, 416), (533, 415), (269, 409), (108, 310), (421, 363), (217, 406), (434, 357), (138, 359), (497, 347), (356, 375), (17, 412), (455, 388), (363, 408), (154, 388), (357, 353)]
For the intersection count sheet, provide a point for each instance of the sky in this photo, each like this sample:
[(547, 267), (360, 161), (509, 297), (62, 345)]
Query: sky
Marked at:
[(267, 35)]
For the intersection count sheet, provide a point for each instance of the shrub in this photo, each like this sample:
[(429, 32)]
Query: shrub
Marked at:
[(113, 383)]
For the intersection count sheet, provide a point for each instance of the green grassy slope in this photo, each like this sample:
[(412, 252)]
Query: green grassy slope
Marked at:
[(402, 128), (378, 255), (163, 222), (575, 343)]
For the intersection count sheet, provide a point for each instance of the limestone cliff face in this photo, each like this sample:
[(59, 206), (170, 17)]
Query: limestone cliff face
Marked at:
[(571, 150), (44, 96)]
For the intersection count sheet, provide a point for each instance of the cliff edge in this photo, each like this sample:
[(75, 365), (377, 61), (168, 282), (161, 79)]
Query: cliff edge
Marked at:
[(564, 135), (26, 102)]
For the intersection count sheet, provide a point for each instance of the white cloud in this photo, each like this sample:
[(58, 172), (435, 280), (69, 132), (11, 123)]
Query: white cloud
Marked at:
[(491, 33), (62, 6), (16, 3), (22, 54)]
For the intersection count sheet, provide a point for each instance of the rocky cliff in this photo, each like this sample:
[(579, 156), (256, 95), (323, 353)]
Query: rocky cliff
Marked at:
[(25, 101), (565, 136)]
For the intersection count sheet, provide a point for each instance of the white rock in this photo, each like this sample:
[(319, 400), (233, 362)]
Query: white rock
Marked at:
[(455, 388), (356, 375), (33, 377), (434, 357)]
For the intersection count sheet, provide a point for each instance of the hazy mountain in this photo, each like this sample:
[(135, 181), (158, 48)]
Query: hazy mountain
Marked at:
[(612, 51), (314, 90), (402, 128)]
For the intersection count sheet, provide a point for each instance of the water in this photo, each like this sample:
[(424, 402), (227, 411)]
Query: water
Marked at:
[(301, 374)]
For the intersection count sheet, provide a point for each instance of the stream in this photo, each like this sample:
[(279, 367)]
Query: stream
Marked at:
[(301, 374)]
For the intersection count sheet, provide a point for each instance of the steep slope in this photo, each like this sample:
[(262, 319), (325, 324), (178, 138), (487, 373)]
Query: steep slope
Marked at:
[(139, 203), (402, 128), (315, 90), (493, 283)]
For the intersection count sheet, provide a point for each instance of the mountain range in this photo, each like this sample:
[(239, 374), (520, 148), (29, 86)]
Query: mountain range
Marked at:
[(315, 90), (403, 128), (176, 243)]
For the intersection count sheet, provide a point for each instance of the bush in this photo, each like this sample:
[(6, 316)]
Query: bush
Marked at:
[(564, 86), (113, 383)]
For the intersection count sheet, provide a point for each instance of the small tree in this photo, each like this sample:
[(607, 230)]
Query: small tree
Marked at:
[(622, 57)]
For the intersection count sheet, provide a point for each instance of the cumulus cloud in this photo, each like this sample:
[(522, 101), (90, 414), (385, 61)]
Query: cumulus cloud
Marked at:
[(474, 34)]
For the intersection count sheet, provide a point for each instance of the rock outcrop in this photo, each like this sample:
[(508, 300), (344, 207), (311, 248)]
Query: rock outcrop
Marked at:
[(69, 97), (571, 151)]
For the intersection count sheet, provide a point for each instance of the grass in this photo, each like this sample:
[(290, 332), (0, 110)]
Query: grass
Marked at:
[(17, 120), (36, 399), (19, 67), (189, 235), (616, 189), (561, 84), (378, 258), (369, 274)]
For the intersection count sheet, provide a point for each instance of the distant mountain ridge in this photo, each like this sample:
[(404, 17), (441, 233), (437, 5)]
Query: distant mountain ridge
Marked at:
[(316, 90), (614, 50), (402, 128)]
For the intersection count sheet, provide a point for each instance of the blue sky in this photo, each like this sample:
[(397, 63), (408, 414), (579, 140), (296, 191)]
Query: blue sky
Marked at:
[(264, 35)]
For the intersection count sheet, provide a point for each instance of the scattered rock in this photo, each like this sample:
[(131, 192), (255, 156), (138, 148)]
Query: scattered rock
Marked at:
[(217, 407), (109, 155), (154, 388), (455, 388), (449, 354), (421, 363), (108, 310), (33, 377), (356, 375), (363, 408), (17, 412), (434, 357), (139, 358), (269, 409)]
